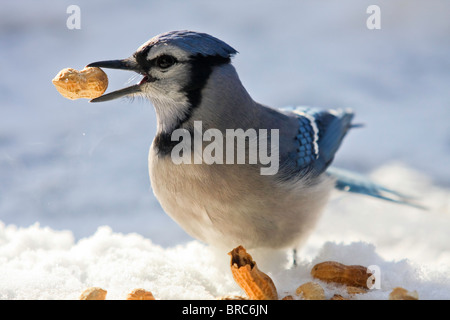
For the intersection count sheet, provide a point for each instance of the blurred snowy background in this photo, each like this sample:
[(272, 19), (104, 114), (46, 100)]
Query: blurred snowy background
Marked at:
[(71, 165)]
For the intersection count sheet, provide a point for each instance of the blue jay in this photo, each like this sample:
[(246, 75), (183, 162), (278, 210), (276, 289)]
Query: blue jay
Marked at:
[(188, 77)]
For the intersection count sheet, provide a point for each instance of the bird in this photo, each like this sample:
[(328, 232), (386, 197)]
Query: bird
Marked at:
[(188, 76)]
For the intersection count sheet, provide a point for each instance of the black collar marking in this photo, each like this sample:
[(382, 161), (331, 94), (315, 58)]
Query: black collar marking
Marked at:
[(201, 68)]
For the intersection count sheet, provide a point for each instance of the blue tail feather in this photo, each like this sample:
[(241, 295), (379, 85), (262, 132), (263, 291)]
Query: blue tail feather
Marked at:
[(352, 182)]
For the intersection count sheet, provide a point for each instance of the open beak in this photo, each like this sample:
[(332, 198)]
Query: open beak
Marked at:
[(125, 64)]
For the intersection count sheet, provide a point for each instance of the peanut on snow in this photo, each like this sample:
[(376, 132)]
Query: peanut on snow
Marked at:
[(93, 293), (331, 271), (256, 284), (311, 291)]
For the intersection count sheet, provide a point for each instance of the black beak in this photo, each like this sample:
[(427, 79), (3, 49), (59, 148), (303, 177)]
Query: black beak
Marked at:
[(125, 64)]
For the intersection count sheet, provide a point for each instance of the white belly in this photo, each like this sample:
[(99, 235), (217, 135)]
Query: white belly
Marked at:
[(226, 206)]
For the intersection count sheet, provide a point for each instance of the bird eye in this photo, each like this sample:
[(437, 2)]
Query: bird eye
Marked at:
[(165, 61)]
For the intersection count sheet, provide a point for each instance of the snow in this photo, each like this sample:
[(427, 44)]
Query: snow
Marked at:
[(76, 207), (410, 247)]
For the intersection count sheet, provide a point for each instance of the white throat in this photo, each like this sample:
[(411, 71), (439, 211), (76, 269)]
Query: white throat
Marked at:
[(169, 111)]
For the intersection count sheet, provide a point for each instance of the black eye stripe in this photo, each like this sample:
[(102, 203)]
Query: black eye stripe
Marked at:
[(141, 59), (200, 70)]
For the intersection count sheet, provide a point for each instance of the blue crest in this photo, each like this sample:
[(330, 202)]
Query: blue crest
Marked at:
[(195, 42)]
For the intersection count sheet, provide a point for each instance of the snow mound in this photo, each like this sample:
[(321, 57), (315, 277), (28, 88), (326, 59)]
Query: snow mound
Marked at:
[(409, 247)]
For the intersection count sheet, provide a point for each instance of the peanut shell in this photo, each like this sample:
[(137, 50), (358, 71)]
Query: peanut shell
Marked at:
[(88, 83), (256, 284), (140, 294), (311, 291), (331, 271), (403, 294), (93, 293)]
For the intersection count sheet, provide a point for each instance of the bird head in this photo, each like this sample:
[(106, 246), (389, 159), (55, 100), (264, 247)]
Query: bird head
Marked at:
[(173, 65)]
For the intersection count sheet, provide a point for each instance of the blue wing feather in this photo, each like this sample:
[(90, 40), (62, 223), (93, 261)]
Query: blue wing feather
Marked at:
[(320, 134)]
